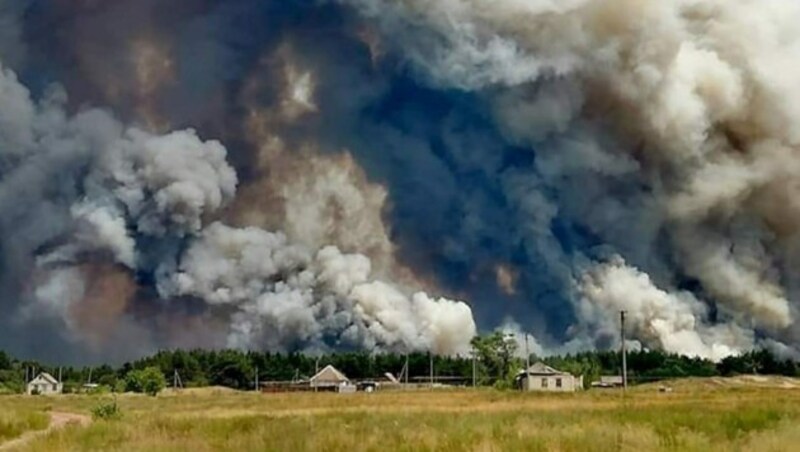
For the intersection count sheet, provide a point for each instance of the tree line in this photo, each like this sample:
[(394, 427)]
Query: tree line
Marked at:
[(496, 363)]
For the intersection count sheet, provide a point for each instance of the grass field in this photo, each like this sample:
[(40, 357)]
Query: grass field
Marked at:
[(19, 419), (713, 414)]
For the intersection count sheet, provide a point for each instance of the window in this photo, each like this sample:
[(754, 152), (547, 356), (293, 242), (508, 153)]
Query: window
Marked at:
[(544, 382), (558, 382), (55, 387)]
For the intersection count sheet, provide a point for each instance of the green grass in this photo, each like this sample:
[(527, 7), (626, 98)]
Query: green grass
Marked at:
[(15, 422), (694, 417)]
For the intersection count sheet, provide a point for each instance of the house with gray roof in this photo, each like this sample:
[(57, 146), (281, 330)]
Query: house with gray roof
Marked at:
[(44, 383), (541, 377)]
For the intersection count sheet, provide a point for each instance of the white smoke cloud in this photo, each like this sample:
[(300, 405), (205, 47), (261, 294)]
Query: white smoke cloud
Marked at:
[(167, 183), (103, 229), (671, 321), (287, 295)]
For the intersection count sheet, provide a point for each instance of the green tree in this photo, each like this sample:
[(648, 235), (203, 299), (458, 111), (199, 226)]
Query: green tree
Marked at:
[(496, 354), (231, 369), (5, 361), (149, 381)]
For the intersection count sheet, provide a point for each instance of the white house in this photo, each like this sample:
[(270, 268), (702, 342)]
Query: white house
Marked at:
[(330, 378), (541, 377), (44, 383)]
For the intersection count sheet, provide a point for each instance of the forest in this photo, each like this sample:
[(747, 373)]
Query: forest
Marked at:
[(496, 362)]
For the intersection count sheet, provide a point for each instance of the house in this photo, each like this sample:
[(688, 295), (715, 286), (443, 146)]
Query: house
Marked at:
[(541, 377), (44, 383), (330, 379)]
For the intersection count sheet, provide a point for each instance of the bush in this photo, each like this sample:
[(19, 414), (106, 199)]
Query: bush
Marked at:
[(107, 410), (149, 381), (120, 386)]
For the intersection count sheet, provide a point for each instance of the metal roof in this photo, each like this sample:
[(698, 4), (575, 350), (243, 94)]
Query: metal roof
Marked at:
[(541, 368), (46, 377), (329, 373)]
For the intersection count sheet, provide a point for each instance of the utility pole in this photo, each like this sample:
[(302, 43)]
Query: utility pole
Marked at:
[(624, 352), (431, 366), (316, 371), (256, 385), (59, 374), (527, 354), (176, 380), (474, 368)]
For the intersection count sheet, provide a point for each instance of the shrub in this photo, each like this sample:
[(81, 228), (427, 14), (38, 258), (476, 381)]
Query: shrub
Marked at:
[(107, 410), (120, 386)]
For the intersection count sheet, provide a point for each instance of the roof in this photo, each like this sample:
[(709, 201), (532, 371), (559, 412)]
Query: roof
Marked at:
[(389, 376), (329, 374), (46, 377), (541, 368)]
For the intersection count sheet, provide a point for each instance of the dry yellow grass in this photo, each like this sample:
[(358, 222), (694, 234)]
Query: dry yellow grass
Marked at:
[(698, 415), (14, 422)]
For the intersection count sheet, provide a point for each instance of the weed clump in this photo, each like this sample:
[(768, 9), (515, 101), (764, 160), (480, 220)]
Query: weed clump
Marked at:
[(107, 410)]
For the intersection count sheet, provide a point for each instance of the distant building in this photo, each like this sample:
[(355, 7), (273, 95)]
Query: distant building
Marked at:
[(331, 379), (541, 377), (90, 387), (608, 381), (44, 383)]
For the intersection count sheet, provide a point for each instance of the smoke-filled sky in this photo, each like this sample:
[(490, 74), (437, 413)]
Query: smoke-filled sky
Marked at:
[(397, 175)]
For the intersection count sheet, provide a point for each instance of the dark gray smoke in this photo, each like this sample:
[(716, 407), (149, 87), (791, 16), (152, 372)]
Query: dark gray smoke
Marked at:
[(141, 202), (548, 162)]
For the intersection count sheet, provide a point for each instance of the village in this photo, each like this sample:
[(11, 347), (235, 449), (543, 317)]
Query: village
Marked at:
[(541, 404), (538, 377), (496, 362), (270, 401)]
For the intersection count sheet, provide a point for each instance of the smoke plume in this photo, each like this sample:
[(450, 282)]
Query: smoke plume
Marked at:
[(550, 163)]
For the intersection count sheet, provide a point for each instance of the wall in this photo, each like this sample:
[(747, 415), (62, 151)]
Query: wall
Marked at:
[(536, 383), (44, 388)]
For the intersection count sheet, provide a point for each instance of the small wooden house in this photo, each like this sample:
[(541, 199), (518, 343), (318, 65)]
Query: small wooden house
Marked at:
[(44, 383)]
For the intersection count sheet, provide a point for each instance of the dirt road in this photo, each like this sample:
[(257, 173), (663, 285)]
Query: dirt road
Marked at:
[(57, 421)]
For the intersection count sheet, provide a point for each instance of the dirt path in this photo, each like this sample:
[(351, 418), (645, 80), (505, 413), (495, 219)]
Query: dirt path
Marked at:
[(57, 421)]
